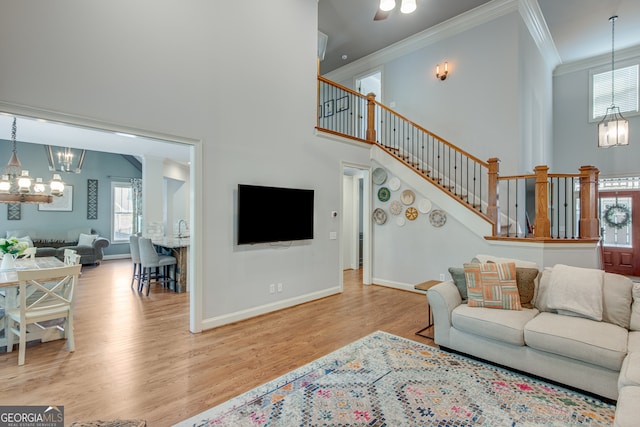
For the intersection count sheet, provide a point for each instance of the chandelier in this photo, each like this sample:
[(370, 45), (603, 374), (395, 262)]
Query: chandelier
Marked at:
[(16, 186), (65, 159), (613, 129)]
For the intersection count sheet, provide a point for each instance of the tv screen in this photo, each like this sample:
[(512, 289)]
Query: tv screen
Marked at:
[(273, 214)]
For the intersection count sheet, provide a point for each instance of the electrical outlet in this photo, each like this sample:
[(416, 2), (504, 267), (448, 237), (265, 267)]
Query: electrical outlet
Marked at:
[(279, 287), (272, 288), (442, 277)]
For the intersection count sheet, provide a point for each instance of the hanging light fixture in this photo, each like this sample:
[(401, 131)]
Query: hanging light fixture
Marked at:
[(16, 184), (387, 5), (65, 159), (613, 129), (408, 6)]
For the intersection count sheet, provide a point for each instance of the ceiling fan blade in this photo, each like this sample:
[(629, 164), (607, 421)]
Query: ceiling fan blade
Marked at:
[(381, 14)]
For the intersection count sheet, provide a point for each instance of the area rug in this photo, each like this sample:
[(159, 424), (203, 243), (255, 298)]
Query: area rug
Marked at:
[(385, 380)]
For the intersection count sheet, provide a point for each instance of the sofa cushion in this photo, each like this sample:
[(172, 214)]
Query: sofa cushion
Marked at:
[(627, 407), (617, 299), (633, 343), (630, 371), (599, 343), (482, 258), (634, 322), (576, 291), (492, 285), (501, 325)]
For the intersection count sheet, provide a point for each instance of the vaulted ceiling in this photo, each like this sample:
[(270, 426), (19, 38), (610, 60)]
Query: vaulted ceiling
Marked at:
[(580, 28)]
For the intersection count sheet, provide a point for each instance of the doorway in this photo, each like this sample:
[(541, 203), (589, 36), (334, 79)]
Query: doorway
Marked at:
[(620, 225), (355, 233)]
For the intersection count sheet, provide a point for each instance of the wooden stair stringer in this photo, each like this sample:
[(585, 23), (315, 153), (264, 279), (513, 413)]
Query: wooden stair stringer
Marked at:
[(475, 221)]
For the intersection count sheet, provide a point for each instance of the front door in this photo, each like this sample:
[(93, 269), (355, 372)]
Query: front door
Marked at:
[(620, 223)]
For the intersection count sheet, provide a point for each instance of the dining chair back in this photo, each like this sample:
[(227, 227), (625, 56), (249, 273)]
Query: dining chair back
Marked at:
[(29, 253), (55, 288), (72, 259), (68, 253), (149, 258)]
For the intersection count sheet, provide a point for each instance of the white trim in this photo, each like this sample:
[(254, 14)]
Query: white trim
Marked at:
[(396, 285), (597, 61), (456, 25), (226, 319), (537, 26)]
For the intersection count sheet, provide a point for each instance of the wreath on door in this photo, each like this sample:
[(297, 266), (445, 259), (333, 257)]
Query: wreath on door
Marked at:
[(617, 216)]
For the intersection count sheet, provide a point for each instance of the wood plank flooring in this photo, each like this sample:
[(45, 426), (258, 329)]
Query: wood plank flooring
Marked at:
[(135, 356)]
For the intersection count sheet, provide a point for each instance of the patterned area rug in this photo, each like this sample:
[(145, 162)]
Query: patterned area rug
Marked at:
[(384, 380)]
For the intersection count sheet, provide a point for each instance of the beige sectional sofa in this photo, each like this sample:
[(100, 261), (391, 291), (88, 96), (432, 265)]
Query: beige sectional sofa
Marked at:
[(583, 330)]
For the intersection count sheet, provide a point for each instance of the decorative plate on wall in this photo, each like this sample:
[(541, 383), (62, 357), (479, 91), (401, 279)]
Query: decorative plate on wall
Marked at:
[(379, 216), (400, 221), (384, 194), (437, 218), (408, 197), (424, 206), (394, 184), (395, 208), (379, 176), (411, 213)]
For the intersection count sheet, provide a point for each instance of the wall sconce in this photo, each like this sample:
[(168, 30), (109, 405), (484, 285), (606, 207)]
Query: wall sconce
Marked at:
[(444, 74)]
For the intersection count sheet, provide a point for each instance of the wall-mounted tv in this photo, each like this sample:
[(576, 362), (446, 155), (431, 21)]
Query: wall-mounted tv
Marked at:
[(274, 214)]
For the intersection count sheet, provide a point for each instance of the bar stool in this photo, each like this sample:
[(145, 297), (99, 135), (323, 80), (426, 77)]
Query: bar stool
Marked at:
[(149, 259), (135, 259)]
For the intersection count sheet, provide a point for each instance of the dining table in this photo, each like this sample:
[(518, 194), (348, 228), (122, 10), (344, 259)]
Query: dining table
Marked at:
[(9, 298)]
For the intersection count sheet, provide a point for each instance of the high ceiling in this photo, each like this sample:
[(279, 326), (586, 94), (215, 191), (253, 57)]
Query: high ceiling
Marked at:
[(580, 28)]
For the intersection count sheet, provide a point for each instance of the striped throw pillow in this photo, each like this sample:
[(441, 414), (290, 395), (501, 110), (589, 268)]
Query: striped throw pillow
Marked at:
[(492, 285)]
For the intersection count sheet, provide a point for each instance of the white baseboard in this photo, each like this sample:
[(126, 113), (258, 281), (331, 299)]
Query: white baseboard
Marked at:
[(396, 285), (116, 256), (226, 319)]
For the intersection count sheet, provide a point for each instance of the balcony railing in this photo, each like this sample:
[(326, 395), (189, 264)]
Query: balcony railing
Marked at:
[(562, 206)]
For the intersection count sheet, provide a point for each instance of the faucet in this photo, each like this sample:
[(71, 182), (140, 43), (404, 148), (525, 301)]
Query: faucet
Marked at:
[(182, 221)]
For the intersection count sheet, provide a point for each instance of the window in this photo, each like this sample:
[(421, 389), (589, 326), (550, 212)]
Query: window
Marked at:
[(625, 91), (122, 216)]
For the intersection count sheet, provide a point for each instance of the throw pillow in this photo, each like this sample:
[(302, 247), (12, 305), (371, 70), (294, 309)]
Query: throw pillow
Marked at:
[(635, 308), (526, 280), (26, 239), (457, 275), (517, 262), (86, 239), (492, 285), (576, 290), (617, 297)]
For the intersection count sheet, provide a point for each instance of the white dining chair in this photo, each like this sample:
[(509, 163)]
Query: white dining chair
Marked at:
[(72, 259), (29, 253), (150, 259), (134, 250), (68, 254), (53, 302)]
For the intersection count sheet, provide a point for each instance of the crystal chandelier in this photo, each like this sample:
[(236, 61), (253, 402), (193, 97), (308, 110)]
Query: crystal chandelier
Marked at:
[(16, 186)]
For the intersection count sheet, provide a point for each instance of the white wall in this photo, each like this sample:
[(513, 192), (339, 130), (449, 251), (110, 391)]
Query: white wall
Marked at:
[(576, 139), (238, 76)]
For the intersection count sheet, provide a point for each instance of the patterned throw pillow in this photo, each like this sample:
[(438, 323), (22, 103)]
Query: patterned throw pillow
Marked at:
[(526, 278), (492, 285)]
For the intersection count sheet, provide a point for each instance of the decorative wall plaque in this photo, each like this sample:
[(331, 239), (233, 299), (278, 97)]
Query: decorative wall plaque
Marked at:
[(92, 199)]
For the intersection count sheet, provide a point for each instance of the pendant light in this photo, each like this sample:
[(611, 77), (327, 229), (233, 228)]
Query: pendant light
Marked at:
[(613, 129)]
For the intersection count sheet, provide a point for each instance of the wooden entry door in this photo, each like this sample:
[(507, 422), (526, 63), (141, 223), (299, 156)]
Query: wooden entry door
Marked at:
[(620, 223)]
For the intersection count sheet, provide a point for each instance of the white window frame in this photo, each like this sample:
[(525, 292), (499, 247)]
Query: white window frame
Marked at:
[(604, 69), (114, 185)]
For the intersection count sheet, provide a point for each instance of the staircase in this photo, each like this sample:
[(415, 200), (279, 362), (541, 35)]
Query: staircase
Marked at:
[(470, 181)]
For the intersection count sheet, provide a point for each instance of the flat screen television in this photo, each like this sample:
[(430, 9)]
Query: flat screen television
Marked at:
[(274, 214)]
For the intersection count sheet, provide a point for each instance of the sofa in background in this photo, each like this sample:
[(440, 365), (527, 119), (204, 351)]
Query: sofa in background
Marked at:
[(581, 328), (84, 241)]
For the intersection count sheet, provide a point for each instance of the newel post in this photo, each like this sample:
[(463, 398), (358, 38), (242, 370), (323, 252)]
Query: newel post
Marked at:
[(493, 199), (542, 225), (589, 222), (371, 117)]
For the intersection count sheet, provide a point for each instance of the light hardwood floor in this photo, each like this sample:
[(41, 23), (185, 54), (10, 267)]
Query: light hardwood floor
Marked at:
[(135, 356)]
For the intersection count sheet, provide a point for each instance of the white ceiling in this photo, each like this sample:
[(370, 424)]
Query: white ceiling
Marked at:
[(580, 28)]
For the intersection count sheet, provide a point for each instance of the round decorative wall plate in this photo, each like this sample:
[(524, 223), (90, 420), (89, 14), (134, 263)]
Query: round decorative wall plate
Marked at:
[(437, 218), (379, 216), (395, 208), (384, 194), (400, 221), (411, 213), (379, 176), (394, 184), (424, 206), (408, 197)]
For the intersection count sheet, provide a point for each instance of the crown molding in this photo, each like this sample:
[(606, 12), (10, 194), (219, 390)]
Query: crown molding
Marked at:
[(597, 61), (456, 25), (537, 26)]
